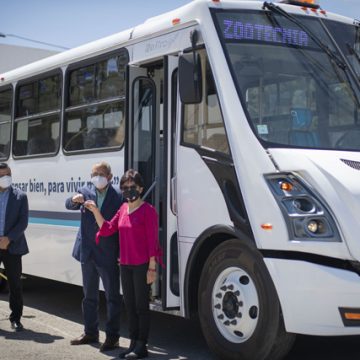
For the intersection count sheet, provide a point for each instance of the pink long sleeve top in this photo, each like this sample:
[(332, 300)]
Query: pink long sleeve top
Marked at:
[(138, 233)]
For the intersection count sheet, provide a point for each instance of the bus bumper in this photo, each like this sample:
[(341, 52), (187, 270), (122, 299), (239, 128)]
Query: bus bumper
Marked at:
[(313, 297)]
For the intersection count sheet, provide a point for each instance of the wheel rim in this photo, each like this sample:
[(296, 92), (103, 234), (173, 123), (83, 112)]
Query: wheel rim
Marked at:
[(235, 304)]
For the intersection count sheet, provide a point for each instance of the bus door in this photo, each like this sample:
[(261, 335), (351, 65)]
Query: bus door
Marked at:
[(148, 149), (141, 126), (142, 129), (170, 285)]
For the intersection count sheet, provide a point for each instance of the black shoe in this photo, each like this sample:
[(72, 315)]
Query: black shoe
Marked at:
[(139, 352), (17, 325), (109, 344), (85, 339), (128, 350)]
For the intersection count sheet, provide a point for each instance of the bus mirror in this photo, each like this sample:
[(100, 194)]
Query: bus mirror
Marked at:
[(190, 78)]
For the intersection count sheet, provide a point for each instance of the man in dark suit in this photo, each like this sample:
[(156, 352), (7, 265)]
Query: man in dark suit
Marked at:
[(14, 216), (98, 261)]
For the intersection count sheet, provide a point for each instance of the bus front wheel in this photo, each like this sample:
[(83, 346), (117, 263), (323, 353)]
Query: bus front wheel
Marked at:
[(238, 305)]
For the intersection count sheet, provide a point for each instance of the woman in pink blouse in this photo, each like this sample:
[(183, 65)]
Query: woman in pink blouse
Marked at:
[(137, 224)]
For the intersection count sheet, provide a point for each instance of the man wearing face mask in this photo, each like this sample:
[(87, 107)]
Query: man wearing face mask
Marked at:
[(14, 216), (98, 262), (137, 223)]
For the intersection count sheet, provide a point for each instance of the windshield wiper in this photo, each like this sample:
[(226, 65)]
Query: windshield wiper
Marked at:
[(274, 8), (342, 64), (352, 51)]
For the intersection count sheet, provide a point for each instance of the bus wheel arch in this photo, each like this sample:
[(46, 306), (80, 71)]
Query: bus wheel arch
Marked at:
[(202, 248), (239, 310)]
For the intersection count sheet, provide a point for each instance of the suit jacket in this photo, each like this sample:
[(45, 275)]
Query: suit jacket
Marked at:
[(16, 221), (85, 246)]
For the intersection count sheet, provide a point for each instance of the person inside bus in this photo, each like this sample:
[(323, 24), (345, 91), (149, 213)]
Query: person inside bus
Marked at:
[(14, 217), (301, 132), (137, 225), (98, 262)]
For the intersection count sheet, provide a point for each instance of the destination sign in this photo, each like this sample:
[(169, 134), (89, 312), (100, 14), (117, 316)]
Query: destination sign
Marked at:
[(237, 30)]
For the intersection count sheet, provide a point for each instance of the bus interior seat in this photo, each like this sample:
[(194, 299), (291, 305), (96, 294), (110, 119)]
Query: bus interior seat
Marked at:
[(300, 133), (20, 147), (4, 147), (73, 141), (3, 150), (96, 138), (43, 145)]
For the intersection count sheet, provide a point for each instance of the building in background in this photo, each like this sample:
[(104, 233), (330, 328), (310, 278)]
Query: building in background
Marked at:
[(13, 56)]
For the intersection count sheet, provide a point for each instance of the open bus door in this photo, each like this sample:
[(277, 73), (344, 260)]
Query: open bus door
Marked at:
[(142, 139), (149, 142), (150, 111), (171, 283)]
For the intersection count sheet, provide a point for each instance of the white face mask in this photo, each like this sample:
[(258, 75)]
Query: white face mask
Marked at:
[(5, 181), (99, 181)]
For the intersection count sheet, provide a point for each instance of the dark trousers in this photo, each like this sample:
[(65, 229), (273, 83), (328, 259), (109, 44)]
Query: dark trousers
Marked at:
[(136, 299), (13, 267), (110, 278)]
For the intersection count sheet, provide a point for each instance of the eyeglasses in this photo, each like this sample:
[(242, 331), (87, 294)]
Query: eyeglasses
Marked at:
[(127, 188)]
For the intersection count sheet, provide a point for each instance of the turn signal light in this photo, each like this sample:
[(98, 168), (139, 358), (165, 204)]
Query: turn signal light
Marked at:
[(286, 186), (352, 316), (266, 226)]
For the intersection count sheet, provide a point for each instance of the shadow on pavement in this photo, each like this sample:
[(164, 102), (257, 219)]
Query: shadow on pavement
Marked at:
[(171, 337), (167, 332), (55, 298), (324, 348), (29, 335)]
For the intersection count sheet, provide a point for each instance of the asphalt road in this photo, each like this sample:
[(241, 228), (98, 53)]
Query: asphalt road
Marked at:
[(52, 317)]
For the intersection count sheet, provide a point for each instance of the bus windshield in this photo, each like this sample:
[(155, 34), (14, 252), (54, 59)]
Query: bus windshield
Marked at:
[(348, 39), (295, 85)]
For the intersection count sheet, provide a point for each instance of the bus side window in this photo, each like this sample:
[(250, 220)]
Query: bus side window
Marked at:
[(144, 129), (88, 125), (203, 123), (36, 137), (37, 118), (95, 127), (5, 122)]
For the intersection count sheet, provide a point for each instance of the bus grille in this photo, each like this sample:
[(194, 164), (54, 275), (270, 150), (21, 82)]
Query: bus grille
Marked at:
[(352, 163)]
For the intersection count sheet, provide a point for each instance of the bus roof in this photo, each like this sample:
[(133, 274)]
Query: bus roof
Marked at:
[(184, 15)]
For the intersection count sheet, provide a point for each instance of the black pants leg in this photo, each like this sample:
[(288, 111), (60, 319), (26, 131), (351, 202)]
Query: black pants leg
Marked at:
[(110, 278), (13, 267), (136, 299), (90, 303)]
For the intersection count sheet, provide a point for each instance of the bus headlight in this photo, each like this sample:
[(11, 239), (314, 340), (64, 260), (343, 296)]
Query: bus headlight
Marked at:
[(304, 205), (307, 216), (313, 226)]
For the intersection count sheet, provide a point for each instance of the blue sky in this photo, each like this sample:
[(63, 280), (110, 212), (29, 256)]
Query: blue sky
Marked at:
[(70, 23)]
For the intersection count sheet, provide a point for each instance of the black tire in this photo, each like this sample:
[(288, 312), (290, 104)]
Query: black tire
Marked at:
[(283, 344), (238, 306)]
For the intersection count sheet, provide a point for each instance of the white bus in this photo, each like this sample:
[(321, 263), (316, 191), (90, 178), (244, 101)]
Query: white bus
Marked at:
[(243, 117)]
